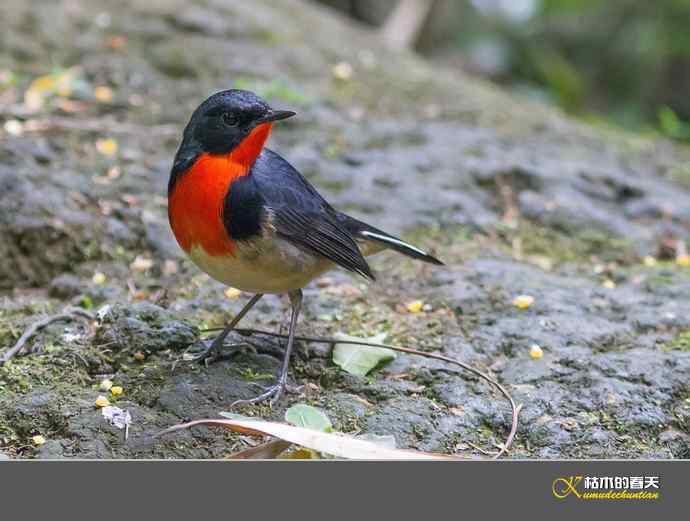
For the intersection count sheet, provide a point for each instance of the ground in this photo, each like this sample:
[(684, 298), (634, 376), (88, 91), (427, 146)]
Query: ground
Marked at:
[(514, 197)]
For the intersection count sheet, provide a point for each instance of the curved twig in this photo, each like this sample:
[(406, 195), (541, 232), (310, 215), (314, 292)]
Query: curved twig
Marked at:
[(34, 328), (515, 407)]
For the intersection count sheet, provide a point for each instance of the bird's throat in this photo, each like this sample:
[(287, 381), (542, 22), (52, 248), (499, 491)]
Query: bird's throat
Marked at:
[(195, 206), (250, 147)]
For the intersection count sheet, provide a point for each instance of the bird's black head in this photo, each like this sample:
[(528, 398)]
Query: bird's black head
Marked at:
[(221, 122)]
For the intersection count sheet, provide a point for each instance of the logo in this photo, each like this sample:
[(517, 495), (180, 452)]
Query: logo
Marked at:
[(613, 488)]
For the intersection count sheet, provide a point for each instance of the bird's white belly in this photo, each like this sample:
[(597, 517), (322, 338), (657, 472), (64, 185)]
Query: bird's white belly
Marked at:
[(263, 266)]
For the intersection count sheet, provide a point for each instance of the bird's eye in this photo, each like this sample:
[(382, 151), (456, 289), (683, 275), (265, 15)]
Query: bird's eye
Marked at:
[(229, 119)]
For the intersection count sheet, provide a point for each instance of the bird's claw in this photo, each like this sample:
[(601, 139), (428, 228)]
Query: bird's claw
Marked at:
[(214, 352), (272, 393)]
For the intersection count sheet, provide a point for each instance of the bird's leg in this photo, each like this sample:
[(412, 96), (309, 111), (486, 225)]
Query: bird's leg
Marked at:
[(212, 353), (275, 391)]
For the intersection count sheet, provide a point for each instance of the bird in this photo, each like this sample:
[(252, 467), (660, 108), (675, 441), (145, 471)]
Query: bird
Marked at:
[(245, 216)]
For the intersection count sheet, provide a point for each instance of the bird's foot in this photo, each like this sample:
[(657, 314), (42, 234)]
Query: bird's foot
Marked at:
[(217, 351), (272, 393)]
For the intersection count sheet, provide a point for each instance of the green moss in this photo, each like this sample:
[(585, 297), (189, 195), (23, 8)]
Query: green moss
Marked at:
[(680, 343), (561, 247)]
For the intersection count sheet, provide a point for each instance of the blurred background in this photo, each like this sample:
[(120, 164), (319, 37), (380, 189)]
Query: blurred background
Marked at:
[(625, 63), (586, 224)]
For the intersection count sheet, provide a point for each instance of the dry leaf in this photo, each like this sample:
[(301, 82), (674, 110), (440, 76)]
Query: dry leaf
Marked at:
[(337, 445)]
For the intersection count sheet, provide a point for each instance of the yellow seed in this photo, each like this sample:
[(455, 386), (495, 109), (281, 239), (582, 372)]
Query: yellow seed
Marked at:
[(608, 284), (683, 260), (107, 147), (536, 352), (98, 278), (649, 261), (342, 71), (139, 355), (232, 293), (102, 401), (38, 440), (415, 306), (523, 301), (106, 385), (116, 391), (103, 94)]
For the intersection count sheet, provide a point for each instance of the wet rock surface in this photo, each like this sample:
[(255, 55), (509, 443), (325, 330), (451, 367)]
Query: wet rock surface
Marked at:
[(514, 197)]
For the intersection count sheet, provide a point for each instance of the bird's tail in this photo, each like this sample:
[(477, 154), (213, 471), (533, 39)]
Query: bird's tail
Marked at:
[(376, 240)]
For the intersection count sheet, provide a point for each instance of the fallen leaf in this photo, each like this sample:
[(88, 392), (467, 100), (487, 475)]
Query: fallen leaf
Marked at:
[(300, 453), (358, 359), (335, 444), (269, 450), (235, 416), (383, 440), (303, 415)]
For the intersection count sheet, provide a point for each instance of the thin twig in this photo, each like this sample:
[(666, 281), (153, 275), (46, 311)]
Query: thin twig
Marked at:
[(515, 408), (34, 328)]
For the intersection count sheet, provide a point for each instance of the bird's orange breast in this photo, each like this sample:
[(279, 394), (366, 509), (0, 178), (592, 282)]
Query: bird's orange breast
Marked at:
[(196, 204)]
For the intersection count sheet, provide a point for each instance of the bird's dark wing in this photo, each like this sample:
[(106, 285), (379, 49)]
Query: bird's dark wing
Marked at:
[(301, 216)]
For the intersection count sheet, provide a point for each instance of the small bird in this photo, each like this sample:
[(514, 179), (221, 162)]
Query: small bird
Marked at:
[(250, 220)]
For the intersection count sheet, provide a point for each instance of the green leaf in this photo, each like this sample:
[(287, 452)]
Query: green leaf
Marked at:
[(359, 360), (303, 415)]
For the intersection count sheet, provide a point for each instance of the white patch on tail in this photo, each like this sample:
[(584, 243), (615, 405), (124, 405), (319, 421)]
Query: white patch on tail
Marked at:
[(391, 240)]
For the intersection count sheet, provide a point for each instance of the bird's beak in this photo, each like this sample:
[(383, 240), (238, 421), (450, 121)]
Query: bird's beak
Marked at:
[(275, 115)]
